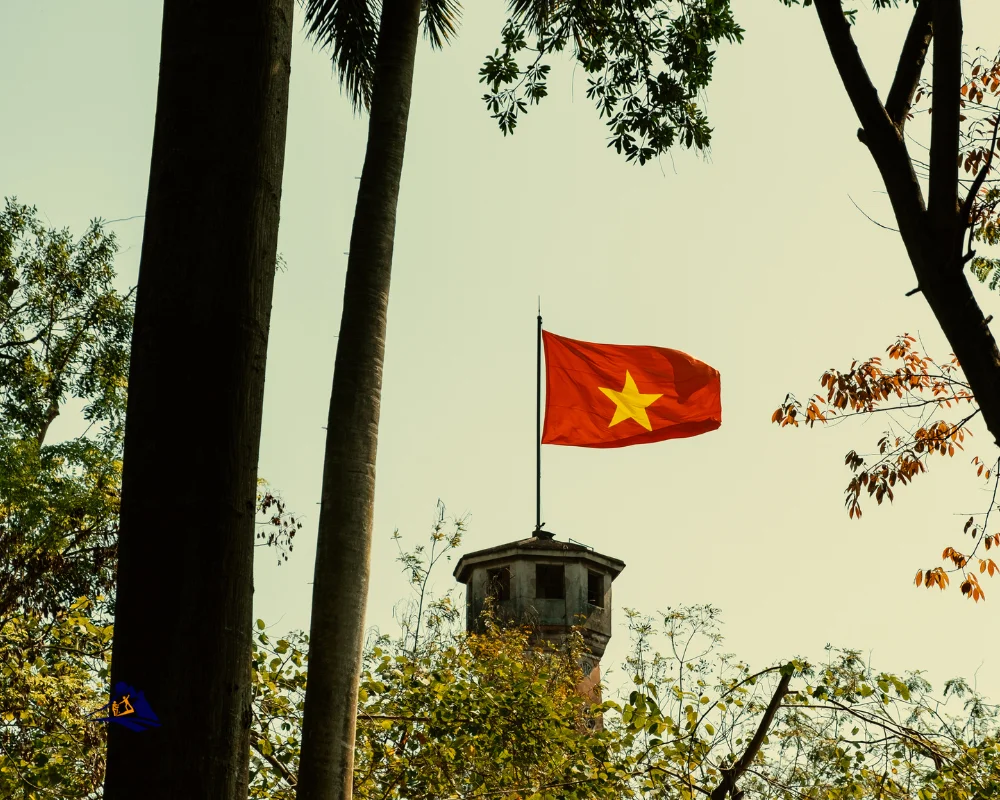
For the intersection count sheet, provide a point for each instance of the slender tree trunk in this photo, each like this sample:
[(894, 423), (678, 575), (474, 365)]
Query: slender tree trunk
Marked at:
[(196, 388), (340, 584)]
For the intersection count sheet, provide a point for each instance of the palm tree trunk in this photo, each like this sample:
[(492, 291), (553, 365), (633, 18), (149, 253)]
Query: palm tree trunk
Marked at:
[(196, 386), (340, 584)]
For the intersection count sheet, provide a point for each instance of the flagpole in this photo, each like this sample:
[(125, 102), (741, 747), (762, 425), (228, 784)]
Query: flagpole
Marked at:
[(538, 428)]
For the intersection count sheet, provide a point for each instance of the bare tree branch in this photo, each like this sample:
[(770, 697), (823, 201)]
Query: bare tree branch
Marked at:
[(883, 138), (860, 89), (280, 768), (911, 64), (977, 184), (23, 342), (942, 201), (729, 776)]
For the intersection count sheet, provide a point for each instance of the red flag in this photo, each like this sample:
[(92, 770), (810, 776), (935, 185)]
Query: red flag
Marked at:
[(611, 395)]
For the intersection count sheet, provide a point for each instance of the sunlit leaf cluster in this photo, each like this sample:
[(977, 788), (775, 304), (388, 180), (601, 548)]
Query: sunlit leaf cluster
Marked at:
[(52, 680), (979, 118), (647, 65), (64, 335), (276, 525), (909, 398)]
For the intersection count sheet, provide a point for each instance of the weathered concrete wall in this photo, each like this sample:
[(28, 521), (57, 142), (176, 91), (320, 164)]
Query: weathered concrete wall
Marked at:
[(551, 617)]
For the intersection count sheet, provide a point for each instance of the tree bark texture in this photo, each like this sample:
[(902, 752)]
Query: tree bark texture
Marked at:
[(196, 387), (933, 234), (340, 587)]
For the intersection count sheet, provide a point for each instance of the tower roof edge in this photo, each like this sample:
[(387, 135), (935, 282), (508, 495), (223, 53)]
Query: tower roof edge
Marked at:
[(535, 547)]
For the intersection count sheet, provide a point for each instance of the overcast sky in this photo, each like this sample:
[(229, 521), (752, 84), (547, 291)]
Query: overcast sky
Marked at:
[(753, 260)]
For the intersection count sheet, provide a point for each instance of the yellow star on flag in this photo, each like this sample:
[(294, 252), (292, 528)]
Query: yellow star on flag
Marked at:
[(629, 404)]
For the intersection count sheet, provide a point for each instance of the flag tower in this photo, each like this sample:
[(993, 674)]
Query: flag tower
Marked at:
[(549, 586), (597, 396)]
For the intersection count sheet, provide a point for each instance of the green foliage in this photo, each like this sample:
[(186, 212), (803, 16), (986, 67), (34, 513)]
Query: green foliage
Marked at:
[(440, 21), (276, 525), (58, 520), (647, 63), (64, 335), (986, 271), (434, 614), (840, 729), (279, 690), (463, 715), (52, 674), (486, 713), (981, 78), (496, 714), (349, 30), (445, 715), (64, 330)]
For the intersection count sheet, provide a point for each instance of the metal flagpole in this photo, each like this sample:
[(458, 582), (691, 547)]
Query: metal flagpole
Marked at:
[(538, 428)]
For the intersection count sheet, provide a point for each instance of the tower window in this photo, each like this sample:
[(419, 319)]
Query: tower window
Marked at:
[(549, 582), (498, 583), (595, 589)]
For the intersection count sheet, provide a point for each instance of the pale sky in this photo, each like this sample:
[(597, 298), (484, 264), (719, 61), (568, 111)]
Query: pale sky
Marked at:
[(753, 260)]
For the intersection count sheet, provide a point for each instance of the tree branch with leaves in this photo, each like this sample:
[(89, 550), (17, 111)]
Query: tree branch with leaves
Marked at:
[(932, 233)]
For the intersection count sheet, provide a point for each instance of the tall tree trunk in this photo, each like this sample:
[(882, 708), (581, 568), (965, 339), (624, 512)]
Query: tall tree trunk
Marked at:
[(196, 387), (340, 584)]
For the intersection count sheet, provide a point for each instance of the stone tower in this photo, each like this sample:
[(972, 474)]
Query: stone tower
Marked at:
[(548, 585)]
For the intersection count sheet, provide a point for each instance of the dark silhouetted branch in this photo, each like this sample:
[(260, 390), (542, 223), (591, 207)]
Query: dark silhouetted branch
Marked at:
[(727, 785), (942, 193), (911, 64)]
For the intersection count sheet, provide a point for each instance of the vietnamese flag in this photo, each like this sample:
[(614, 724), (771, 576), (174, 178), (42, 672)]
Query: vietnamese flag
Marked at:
[(611, 395)]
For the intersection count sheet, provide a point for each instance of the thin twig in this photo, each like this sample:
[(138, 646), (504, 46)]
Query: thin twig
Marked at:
[(886, 227)]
